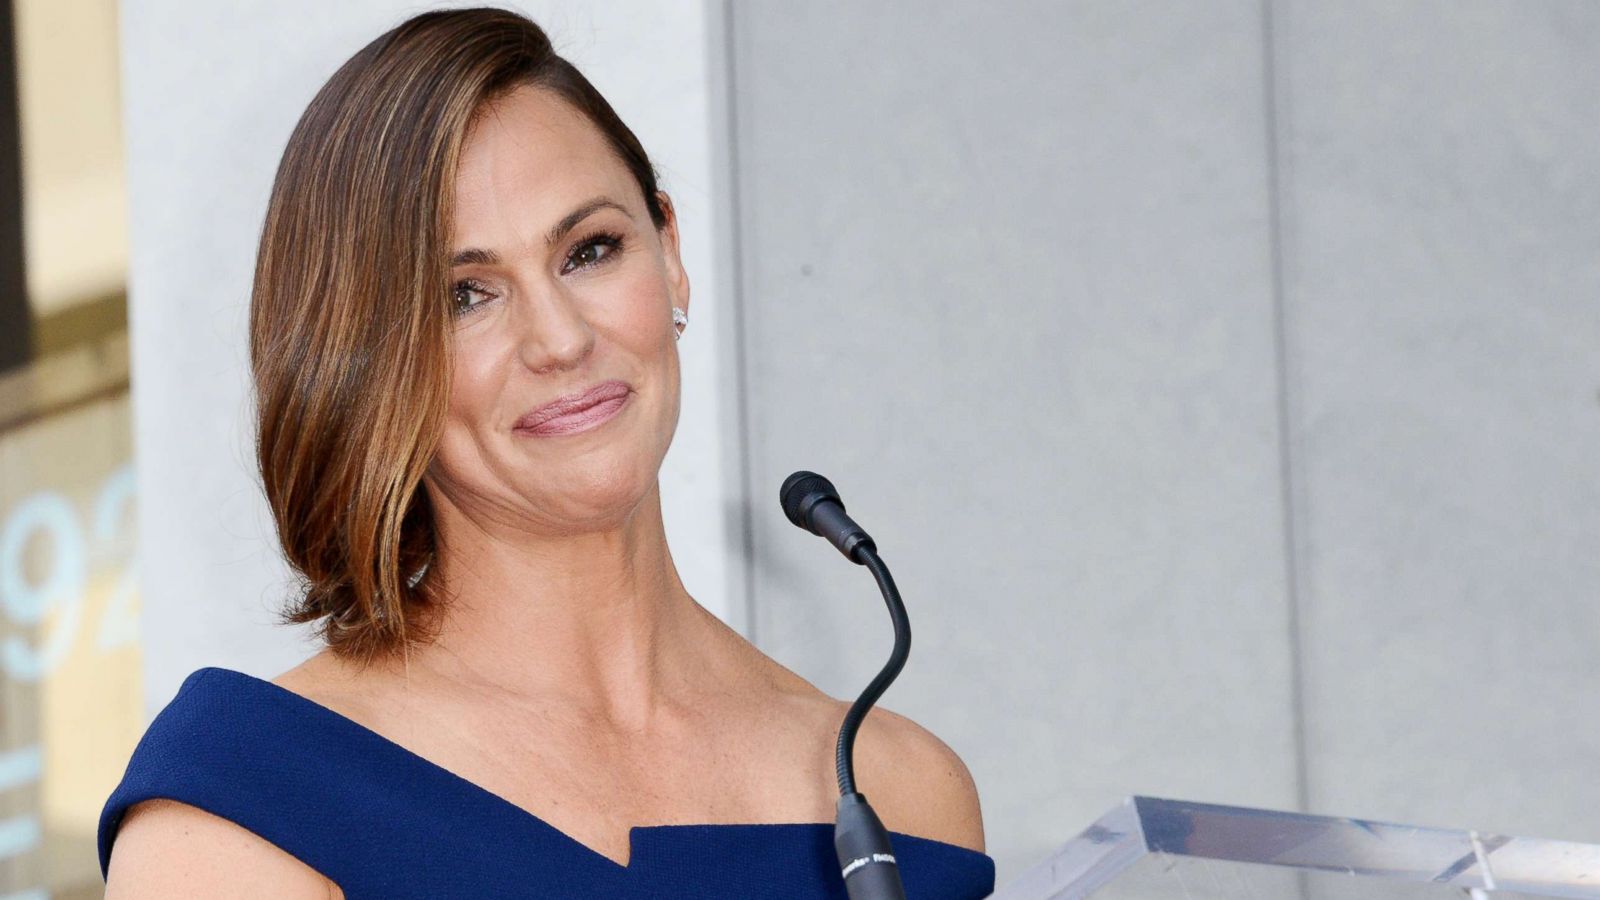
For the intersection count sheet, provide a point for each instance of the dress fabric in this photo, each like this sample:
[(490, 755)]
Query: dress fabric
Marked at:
[(386, 824)]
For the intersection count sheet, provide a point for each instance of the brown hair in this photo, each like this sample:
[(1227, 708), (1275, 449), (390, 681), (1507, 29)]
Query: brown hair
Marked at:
[(349, 316)]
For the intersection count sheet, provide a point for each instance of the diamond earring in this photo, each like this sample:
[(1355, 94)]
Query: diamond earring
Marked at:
[(680, 321)]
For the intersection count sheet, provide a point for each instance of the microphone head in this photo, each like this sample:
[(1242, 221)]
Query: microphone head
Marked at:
[(803, 490)]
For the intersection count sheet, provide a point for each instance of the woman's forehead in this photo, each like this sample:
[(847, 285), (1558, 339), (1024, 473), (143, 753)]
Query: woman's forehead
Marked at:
[(529, 159)]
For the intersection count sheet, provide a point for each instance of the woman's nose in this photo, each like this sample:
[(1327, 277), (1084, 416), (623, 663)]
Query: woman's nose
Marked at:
[(553, 332)]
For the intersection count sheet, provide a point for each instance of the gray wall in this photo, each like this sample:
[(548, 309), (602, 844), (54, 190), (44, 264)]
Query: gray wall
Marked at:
[(1219, 381), (1442, 292)]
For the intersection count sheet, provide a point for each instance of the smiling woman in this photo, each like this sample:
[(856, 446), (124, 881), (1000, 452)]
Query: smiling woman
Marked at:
[(463, 416), (389, 311)]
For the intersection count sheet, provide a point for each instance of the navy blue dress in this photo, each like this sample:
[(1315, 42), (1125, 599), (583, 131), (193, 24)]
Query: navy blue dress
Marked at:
[(386, 824)]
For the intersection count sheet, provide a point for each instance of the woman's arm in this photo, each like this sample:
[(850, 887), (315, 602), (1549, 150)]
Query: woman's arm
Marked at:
[(173, 851)]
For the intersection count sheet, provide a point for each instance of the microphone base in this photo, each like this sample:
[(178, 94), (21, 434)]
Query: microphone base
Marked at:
[(865, 858)]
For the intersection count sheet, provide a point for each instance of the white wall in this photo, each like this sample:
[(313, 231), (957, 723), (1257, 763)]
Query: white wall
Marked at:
[(211, 92)]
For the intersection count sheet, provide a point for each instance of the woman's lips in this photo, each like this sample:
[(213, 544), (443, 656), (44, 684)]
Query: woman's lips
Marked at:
[(582, 420), (597, 412)]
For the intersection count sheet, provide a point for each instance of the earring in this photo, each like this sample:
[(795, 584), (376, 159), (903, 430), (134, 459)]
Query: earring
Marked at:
[(680, 321)]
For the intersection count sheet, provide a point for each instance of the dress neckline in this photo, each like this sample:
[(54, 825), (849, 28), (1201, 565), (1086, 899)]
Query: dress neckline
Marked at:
[(635, 833)]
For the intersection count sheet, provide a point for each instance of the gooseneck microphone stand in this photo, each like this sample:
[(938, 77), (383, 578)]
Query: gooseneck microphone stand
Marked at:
[(866, 861)]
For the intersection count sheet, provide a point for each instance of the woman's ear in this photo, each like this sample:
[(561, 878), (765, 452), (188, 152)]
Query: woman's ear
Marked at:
[(677, 278)]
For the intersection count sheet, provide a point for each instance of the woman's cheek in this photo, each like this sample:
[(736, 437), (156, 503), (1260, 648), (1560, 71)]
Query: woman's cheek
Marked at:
[(478, 358), (646, 312)]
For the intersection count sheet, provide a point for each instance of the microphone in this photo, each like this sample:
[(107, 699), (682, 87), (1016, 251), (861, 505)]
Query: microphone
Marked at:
[(866, 861)]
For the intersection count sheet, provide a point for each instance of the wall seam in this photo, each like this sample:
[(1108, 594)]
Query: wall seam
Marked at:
[(737, 310), (1275, 101)]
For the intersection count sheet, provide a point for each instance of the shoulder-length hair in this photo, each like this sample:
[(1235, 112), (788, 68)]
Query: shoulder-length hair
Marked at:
[(350, 321)]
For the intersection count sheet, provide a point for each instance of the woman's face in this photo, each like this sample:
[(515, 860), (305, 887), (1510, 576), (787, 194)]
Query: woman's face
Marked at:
[(562, 283)]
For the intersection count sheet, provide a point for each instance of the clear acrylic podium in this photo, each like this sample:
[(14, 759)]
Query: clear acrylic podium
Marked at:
[(1150, 849)]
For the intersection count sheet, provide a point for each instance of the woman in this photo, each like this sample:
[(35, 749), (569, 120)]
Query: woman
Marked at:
[(463, 334)]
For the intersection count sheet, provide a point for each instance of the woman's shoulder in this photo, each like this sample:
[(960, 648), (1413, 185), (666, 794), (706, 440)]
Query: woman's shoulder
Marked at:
[(916, 782), (168, 848), (336, 685), (188, 748), (183, 815)]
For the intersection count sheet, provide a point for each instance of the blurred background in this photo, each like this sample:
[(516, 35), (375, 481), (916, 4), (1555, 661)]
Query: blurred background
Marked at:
[(71, 694), (1220, 381)]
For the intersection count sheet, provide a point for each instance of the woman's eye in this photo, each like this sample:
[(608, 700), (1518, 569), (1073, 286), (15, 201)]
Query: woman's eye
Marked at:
[(463, 296), (593, 252)]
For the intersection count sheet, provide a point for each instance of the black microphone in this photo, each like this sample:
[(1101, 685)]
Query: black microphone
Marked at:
[(866, 861)]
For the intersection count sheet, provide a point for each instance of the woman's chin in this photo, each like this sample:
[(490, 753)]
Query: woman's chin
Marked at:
[(591, 501)]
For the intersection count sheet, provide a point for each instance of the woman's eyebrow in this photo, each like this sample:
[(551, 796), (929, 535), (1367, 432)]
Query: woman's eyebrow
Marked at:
[(476, 257), (571, 220)]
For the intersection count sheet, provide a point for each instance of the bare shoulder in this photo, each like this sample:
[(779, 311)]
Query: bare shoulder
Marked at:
[(167, 849), (915, 782)]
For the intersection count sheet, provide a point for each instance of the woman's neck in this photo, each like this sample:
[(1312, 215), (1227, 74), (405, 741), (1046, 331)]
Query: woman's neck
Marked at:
[(599, 620)]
